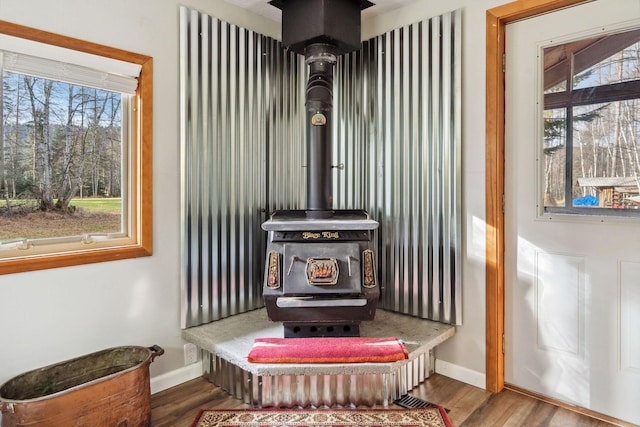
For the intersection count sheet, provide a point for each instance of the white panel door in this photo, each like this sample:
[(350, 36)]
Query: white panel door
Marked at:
[(572, 282)]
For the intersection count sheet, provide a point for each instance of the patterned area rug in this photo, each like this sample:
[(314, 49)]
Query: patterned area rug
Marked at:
[(433, 416)]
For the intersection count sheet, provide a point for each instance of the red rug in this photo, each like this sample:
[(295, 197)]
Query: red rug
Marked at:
[(327, 350), (433, 416)]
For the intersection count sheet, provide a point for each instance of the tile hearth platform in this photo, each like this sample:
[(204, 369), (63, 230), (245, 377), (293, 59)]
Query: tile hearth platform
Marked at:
[(226, 343)]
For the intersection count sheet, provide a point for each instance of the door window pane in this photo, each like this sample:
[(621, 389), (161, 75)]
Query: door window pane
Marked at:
[(592, 127)]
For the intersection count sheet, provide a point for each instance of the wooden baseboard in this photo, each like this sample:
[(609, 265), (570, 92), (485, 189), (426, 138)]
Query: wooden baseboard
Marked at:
[(574, 408)]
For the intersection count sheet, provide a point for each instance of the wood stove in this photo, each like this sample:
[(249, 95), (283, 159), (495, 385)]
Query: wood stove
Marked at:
[(320, 273)]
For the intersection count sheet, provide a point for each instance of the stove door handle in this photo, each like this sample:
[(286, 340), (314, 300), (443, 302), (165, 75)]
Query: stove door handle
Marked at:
[(296, 302), (293, 259), (349, 259)]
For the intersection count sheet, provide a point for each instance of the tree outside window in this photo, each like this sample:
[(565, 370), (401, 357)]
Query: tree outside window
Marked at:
[(61, 142)]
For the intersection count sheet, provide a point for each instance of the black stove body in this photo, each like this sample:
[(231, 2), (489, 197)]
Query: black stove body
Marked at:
[(320, 273)]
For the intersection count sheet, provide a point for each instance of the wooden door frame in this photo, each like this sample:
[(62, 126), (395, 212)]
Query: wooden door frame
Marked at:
[(497, 19)]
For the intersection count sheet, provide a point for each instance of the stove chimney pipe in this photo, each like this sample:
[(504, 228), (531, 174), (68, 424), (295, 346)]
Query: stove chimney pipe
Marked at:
[(320, 57)]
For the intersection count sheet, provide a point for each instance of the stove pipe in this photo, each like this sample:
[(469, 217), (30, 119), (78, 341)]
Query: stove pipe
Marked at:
[(320, 57)]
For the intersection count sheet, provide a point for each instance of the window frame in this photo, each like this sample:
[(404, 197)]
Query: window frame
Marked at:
[(138, 167)]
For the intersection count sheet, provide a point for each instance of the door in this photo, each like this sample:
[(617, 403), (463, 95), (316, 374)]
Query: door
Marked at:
[(572, 270)]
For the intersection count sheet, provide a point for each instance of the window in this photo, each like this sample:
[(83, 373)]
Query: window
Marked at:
[(592, 126), (75, 151)]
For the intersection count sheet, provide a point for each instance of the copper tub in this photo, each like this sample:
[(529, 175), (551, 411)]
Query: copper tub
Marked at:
[(107, 388)]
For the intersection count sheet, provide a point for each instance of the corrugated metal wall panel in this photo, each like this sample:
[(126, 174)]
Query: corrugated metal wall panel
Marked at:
[(226, 103), (397, 102), (397, 114), (372, 389)]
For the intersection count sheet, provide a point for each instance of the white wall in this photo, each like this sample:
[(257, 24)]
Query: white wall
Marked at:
[(49, 316)]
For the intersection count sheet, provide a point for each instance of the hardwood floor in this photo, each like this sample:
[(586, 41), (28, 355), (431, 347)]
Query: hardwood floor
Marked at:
[(469, 406)]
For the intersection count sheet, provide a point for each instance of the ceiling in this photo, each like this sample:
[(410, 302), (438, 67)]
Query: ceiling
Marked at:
[(263, 8)]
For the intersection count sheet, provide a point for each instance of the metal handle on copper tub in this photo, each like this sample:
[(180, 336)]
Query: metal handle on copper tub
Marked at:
[(156, 351), (6, 408)]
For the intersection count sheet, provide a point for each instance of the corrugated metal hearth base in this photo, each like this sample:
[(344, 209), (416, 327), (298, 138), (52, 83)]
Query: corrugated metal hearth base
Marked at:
[(226, 343)]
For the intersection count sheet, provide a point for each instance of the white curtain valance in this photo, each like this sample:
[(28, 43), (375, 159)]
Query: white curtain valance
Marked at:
[(69, 66)]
